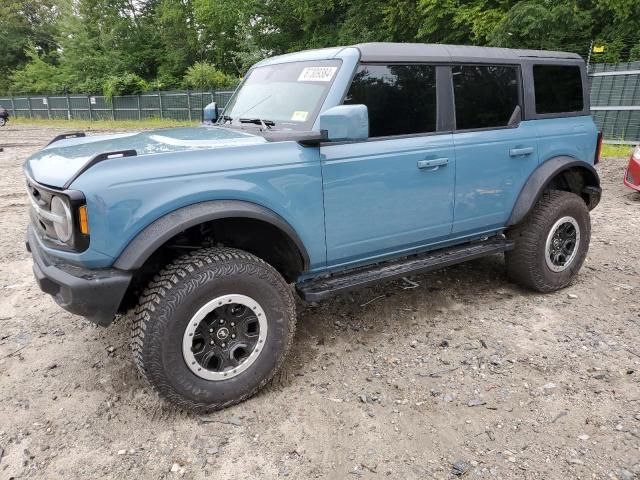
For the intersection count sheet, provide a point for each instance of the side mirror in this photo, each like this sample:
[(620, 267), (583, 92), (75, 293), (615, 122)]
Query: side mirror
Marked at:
[(210, 113), (345, 123)]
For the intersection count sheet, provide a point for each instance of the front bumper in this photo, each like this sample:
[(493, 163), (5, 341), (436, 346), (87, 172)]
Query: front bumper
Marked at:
[(94, 294)]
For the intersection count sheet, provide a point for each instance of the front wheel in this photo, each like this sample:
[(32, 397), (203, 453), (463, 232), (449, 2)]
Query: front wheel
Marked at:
[(3, 121), (212, 328), (551, 243)]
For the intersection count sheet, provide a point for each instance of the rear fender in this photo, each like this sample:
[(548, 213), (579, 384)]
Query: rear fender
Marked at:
[(544, 176)]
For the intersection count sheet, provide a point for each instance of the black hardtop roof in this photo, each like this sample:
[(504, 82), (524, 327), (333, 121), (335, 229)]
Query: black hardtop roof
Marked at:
[(431, 52)]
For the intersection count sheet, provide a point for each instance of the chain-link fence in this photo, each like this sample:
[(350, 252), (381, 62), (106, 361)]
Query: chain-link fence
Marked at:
[(615, 100), (185, 106)]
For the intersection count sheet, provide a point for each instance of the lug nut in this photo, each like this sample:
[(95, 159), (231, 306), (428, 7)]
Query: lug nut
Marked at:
[(233, 335), (224, 345), (233, 324), (211, 330), (212, 342), (221, 321)]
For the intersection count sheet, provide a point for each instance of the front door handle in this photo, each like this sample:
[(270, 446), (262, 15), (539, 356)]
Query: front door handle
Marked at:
[(434, 162), (520, 152)]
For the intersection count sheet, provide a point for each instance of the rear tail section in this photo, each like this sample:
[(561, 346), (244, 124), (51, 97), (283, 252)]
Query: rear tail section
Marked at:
[(596, 159)]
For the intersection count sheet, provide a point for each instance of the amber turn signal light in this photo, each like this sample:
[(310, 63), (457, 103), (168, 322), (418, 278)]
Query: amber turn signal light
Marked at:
[(84, 220)]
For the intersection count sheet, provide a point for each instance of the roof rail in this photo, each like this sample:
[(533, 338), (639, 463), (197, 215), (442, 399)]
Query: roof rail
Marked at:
[(64, 136)]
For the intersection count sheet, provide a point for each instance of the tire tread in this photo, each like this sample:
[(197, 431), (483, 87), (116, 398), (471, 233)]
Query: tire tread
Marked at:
[(524, 264), (175, 282)]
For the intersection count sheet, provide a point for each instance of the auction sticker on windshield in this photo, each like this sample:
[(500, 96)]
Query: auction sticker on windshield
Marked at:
[(317, 74), (299, 116)]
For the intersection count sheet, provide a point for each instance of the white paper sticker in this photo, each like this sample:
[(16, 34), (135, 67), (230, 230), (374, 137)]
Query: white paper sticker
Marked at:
[(299, 116), (317, 74)]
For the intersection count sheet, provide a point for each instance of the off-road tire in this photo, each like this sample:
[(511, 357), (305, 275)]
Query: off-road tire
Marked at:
[(526, 263), (176, 293)]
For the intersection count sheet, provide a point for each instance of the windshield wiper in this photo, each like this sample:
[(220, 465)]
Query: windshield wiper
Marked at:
[(258, 121)]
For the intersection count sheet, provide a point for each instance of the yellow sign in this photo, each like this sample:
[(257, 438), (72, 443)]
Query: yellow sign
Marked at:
[(598, 49)]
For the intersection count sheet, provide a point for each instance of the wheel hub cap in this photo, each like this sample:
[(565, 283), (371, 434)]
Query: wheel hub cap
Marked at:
[(562, 244), (224, 337)]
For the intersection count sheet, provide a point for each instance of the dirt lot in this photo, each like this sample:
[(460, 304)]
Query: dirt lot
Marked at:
[(457, 373)]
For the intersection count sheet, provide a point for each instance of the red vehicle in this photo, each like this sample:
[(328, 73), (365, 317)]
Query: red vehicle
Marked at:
[(632, 175)]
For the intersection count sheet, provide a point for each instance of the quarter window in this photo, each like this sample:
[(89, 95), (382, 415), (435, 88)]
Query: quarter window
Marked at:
[(401, 99), (558, 88), (485, 95)]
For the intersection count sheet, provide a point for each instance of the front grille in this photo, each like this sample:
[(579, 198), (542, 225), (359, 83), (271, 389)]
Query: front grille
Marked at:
[(40, 212)]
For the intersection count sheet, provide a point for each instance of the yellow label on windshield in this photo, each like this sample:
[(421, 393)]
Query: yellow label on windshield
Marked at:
[(299, 116)]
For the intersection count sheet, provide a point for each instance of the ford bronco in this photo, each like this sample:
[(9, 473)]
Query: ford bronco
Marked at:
[(328, 169)]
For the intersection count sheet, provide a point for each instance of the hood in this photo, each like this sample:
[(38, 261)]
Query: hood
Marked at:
[(57, 163)]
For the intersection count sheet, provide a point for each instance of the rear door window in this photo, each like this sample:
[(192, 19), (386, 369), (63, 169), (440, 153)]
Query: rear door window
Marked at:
[(401, 99), (558, 88), (485, 95)]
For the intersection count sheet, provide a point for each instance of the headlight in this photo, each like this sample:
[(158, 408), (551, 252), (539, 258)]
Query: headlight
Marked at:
[(64, 227), (636, 153)]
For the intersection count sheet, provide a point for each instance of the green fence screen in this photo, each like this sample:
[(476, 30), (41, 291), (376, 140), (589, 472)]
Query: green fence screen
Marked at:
[(163, 105), (615, 100)]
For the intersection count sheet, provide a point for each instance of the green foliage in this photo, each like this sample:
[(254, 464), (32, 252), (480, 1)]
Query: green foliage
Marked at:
[(87, 46), (24, 25), (203, 75), (37, 76), (634, 54), (125, 84), (542, 26)]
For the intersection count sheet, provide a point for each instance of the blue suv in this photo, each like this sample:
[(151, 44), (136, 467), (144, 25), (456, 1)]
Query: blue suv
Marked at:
[(329, 169)]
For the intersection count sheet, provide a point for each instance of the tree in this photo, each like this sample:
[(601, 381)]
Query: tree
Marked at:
[(24, 25), (37, 76), (203, 75), (540, 25), (84, 44), (178, 41), (219, 26), (125, 84)]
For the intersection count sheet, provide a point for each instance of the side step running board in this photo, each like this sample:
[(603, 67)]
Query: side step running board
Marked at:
[(321, 288)]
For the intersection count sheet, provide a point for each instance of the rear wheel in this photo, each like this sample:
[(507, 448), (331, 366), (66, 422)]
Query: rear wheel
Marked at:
[(212, 328), (551, 243), (3, 121)]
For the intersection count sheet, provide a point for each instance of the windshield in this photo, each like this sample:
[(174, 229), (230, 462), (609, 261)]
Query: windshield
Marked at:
[(288, 94)]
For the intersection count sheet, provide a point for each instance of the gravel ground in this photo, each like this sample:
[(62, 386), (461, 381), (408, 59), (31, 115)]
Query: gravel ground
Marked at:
[(457, 372)]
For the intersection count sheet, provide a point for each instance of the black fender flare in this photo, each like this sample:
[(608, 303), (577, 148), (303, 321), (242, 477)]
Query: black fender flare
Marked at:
[(166, 227), (540, 179)]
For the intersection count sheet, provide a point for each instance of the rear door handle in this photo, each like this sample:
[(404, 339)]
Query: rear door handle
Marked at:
[(434, 162), (520, 152)]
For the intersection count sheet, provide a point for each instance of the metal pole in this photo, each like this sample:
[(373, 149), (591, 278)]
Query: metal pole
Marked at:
[(90, 112), (139, 111), (589, 55), (13, 107), (29, 103), (160, 101), (113, 112), (68, 104), (48, 108), (189, 104)]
